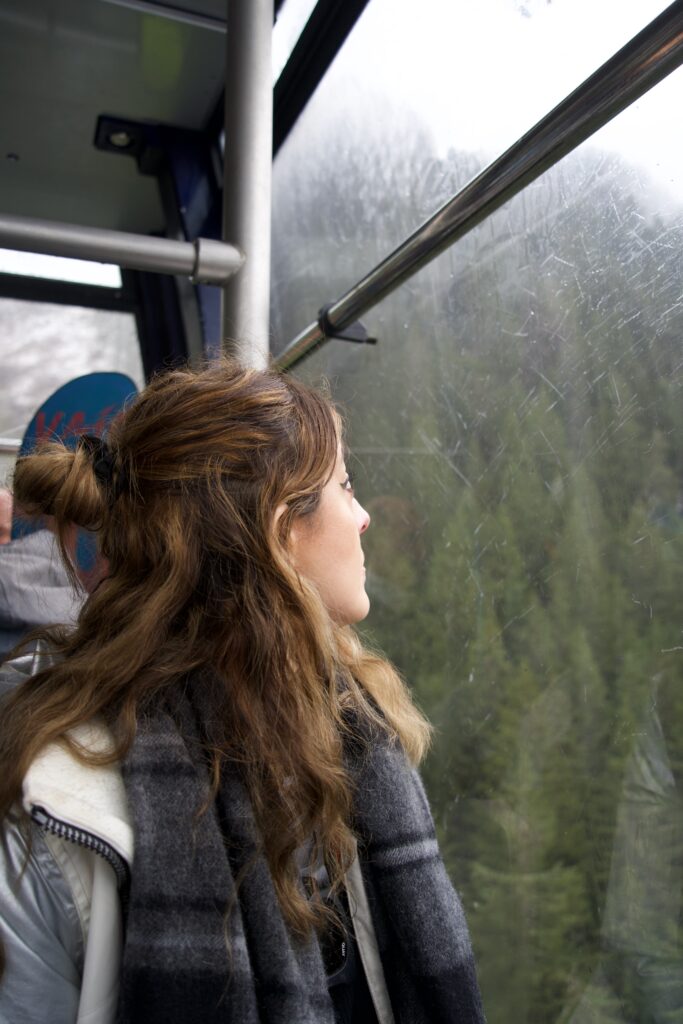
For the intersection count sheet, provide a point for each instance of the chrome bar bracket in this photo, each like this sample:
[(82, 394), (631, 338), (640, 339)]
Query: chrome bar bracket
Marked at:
[(355, 332), (215, 261)]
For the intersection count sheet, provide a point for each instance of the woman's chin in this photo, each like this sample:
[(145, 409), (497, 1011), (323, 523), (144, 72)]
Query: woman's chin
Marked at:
[(352, 614)]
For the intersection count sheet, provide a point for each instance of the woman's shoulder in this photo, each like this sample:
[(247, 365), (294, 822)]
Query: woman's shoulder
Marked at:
[(23, 666), (89, 798), (72, 822), (63, 786), (39, 913)]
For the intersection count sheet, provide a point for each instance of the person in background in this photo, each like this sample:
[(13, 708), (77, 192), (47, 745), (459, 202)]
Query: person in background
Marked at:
[(215, 814), (35, 589), (5, 515)]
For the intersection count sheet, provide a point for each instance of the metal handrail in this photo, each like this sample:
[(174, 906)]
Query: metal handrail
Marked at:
[(205, 260), (171, 13), (644, 61)]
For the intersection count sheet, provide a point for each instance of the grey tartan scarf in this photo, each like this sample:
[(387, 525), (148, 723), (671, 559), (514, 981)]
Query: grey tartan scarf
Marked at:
[(175, 965)]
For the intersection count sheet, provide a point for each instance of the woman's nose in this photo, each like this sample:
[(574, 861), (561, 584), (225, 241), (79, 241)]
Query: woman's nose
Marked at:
[(362, 517)]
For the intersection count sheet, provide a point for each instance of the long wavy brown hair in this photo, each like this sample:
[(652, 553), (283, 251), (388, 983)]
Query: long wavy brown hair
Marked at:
[(200, 578)]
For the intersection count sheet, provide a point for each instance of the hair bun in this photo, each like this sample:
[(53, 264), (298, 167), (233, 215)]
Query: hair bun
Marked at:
[(61, 482)]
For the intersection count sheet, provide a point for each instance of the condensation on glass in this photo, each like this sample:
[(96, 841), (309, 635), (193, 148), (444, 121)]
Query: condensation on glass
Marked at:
[(518, 433)]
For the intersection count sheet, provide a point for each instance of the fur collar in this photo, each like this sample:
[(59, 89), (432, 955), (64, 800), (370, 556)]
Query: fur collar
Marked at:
[(90, 798)]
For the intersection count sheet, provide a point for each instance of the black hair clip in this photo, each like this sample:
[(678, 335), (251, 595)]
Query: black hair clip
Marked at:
[(103, 462)]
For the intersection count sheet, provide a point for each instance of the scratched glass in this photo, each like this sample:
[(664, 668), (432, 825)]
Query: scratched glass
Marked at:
[(518, 432), (412, 108)]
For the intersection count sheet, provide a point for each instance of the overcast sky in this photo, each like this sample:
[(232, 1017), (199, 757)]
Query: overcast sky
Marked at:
[(480, 74)]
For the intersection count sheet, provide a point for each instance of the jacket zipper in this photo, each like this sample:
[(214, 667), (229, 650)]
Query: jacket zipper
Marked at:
[(89, 841)]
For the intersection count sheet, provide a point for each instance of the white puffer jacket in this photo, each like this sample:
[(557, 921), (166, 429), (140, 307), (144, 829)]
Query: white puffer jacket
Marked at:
[(62, 922)]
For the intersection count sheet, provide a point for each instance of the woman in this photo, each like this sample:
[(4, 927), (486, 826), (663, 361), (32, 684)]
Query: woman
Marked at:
[(214, 731)]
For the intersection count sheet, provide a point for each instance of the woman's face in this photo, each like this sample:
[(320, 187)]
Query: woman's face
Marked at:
[(325, 548)]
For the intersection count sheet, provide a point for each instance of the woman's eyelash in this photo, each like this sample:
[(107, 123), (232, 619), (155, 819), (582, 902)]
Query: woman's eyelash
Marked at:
[(348, 483)]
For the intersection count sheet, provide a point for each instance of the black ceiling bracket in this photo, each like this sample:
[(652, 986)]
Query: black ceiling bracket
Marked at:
[(355, 332)]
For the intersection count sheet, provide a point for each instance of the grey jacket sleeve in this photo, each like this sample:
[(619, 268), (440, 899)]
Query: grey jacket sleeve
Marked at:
[(41, 934)]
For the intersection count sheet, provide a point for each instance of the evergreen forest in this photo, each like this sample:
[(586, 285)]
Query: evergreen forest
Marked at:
[(518, 439)]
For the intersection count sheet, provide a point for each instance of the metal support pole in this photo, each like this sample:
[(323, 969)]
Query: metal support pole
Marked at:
[(649, 57), (204, 259), (247, 180)]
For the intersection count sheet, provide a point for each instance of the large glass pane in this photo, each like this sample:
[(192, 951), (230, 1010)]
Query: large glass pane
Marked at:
[(42, 346), (518, 432), (417, 103), (59, 268)]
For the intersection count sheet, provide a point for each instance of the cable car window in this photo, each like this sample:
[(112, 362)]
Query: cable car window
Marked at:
[(518, 431), (58, 268), (43, 345), (459, 83), (291, 19)]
